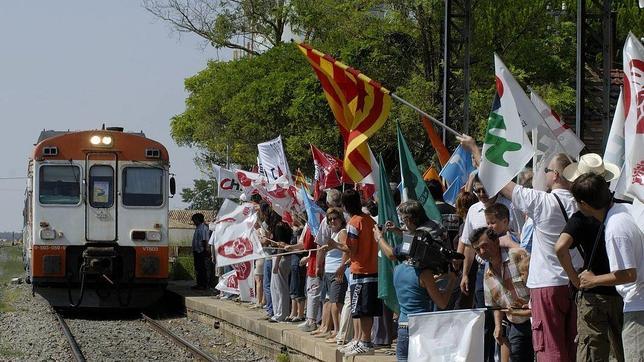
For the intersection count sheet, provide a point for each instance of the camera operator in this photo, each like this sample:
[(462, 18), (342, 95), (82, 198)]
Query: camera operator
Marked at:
[(416, 288)]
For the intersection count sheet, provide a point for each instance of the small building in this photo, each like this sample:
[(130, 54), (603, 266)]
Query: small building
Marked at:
[(181, 228)]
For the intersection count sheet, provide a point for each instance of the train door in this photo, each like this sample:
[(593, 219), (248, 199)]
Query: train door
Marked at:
[(101, 218)]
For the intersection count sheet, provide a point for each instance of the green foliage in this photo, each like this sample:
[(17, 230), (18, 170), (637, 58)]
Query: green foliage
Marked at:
[(201, 196), (237, 104)]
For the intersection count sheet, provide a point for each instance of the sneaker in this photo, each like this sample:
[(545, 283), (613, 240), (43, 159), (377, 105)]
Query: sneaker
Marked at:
[(308, 327), (347, 347), (360, 349)]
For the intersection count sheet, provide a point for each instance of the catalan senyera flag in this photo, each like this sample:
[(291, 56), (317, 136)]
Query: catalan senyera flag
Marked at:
[(360, 106)]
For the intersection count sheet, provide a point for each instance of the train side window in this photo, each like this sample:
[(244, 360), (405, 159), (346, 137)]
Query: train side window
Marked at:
[(101, 186), (142, 186), (59, 185)]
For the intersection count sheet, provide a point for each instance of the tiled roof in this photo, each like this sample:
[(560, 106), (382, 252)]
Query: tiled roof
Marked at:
[(183, 218)]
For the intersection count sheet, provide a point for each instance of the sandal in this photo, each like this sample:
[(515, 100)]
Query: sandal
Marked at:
[(298, 319)]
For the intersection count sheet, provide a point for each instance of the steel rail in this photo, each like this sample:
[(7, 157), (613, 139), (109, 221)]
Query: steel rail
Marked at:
[(195, 351), (76, 351)]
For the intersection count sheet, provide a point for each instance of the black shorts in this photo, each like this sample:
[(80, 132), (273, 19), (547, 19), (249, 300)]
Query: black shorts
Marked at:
[(364, 296), (335, 290)]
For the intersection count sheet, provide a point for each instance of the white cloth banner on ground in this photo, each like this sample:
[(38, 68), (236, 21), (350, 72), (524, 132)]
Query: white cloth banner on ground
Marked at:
[(234, 235), (239, 281), (447, 336), (506, 147), (273, 160), (228, 185), (634, 116)]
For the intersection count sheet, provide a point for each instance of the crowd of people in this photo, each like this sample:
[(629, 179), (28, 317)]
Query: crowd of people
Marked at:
[(561, 272)]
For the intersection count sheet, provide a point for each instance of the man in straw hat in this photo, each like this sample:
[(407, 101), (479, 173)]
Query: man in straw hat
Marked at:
[(599, 309), (554, 315), (624, 248)]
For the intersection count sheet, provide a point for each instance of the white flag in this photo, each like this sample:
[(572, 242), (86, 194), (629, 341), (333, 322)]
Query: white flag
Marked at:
[(615, 149), (447, 336), (566, 137), (527, 113), (239, 281), (234, 235), (506, 148), (273, 160), (228, 185), (634, 116)]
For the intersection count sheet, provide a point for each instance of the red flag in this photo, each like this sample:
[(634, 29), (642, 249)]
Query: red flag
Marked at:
[(360, 106), (437, 143), (328, 171)]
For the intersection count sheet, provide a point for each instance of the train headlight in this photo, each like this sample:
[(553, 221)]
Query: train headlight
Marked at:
[(153, 235), (47, 234), (106, 140), (95, 140)]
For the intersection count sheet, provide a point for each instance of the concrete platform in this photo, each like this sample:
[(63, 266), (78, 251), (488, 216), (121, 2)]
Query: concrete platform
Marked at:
[(242, 323)]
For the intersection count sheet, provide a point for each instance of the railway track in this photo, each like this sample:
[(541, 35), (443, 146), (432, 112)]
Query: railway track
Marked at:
[(77, 352)]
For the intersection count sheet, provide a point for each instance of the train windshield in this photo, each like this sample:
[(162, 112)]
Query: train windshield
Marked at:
[(142, 186), (59, 185)]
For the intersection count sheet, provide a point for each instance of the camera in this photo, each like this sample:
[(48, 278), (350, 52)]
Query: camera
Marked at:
[(426, 251)]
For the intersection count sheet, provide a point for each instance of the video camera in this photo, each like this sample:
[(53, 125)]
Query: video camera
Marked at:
[(426, 252)]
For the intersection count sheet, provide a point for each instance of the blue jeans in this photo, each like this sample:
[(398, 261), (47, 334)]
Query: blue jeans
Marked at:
[(402, 347), (268, 270)]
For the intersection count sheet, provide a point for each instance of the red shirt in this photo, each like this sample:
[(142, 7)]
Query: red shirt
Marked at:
[(309, 243)]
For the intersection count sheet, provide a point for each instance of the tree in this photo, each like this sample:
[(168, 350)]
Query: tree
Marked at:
[(201, 196), (236, 104), (247, 25)]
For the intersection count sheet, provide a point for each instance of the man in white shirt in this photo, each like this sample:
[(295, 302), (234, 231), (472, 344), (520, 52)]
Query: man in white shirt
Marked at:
[(625, 250), (554, 311)]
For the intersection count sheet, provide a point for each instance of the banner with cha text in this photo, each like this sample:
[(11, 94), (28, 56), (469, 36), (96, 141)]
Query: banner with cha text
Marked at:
[(455, 335)]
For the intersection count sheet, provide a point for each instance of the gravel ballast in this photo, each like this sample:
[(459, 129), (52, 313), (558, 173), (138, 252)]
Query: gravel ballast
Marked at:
[(29, 331)]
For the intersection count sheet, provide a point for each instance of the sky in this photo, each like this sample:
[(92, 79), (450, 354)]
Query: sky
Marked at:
[(77, 64)]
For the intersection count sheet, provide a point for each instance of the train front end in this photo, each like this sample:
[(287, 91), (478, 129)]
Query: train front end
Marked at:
[(96, 219)]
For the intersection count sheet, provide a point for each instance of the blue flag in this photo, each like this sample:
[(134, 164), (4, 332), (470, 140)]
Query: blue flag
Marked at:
[(313, 212), (456, 172)]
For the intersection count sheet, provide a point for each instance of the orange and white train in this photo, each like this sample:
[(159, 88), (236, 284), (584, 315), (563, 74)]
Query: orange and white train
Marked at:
[(96, 218)]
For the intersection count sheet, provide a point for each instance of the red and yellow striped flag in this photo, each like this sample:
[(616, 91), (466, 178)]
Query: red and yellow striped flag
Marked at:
[(360, 106)]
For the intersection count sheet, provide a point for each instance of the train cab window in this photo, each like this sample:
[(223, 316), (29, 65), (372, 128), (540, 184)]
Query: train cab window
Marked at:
[(142, 186), (59, 185), (101, 186)]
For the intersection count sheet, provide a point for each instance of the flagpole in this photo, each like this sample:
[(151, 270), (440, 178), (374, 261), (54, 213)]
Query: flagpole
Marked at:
[(396, 97)]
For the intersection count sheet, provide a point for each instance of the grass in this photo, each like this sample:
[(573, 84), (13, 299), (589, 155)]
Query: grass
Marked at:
[(8, 353), (8, 299), (183, 268)]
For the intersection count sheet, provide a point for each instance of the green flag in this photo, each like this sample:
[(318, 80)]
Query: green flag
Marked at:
[(413, 185), (387, 212)]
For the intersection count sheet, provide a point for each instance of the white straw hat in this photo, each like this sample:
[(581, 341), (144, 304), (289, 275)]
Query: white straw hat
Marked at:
[(591, 162)]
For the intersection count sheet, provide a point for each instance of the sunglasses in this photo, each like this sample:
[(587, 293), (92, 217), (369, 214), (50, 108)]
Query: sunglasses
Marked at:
[(332, 219), (546, 170)]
